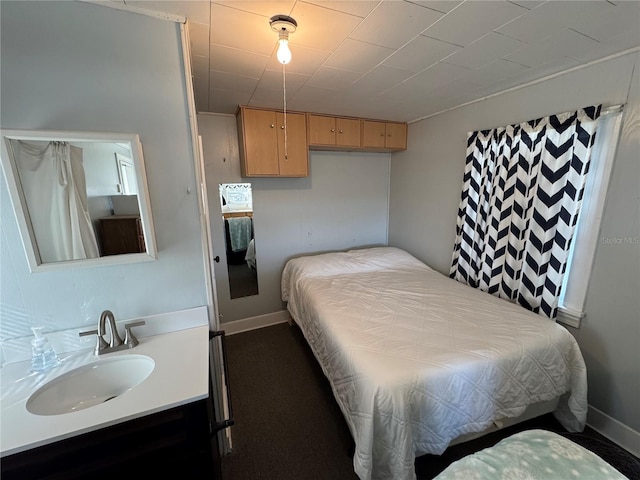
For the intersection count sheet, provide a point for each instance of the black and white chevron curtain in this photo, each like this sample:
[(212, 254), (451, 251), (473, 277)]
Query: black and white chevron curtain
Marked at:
[(522, 191)]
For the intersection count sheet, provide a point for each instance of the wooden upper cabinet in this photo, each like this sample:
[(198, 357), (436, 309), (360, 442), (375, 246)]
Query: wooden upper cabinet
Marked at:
[(322, 130), (268, 149), (327, 131), (259, 137), (265, 150), (396, 136), (373, 134), (348, 132), (384, 135), (293, 150)]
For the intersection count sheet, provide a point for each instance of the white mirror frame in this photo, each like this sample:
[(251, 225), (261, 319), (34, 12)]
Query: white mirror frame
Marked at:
[(20, 206)]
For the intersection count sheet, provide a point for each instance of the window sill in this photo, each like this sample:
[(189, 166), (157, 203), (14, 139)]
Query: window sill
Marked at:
[(569, 317)]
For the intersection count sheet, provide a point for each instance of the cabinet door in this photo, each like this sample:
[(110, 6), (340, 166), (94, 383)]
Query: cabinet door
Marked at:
[(347, 132), (294, 156), (174, 442), (322, 130), (396, 136), (373, 135), (120, 234), (260, 142)]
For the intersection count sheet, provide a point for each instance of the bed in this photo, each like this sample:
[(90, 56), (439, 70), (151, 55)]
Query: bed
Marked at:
[(418, 361)]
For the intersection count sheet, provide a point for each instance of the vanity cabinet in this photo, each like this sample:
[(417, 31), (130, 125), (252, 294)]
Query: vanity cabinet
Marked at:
[(327, 131), (266, 149), (387, 136), (174, 442), (121, 234)]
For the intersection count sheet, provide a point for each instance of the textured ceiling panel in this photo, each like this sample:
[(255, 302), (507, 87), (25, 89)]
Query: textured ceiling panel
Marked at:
[(392, 59)]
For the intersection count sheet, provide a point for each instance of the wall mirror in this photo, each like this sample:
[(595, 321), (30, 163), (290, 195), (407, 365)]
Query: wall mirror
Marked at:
[(80, 199), (236, 202)]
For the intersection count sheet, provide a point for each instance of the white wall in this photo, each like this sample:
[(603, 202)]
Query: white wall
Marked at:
[(342, 204), (78, 66), (100, 167), (102, 179), (425, 192)]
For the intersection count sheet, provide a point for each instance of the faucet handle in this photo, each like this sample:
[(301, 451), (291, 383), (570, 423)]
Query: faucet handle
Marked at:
[(100, 342), (129, 338)]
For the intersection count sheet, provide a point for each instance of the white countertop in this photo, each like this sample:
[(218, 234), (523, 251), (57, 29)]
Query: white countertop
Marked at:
[(180, 376)]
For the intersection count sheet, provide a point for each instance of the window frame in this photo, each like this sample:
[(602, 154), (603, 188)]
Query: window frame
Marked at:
[(575, 284)]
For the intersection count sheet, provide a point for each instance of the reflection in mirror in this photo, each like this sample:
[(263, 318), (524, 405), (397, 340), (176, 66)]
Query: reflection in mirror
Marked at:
[(79, 198), (236, 201)]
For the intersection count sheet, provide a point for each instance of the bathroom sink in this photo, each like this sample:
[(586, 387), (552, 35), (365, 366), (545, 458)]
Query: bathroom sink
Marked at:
[(90, 385)]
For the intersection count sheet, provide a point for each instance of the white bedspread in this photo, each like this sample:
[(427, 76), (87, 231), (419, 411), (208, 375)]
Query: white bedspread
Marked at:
[(416, 359)]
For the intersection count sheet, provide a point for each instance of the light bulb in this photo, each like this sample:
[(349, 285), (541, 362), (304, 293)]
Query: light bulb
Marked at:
[(284, 52)]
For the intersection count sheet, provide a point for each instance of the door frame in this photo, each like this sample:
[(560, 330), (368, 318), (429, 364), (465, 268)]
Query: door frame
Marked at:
[(220, 400)]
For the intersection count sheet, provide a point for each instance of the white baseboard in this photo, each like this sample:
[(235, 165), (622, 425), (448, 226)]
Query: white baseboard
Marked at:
[(251, 323), (614, 430)]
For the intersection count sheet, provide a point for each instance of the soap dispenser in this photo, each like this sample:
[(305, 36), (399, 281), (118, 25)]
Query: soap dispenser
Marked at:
[(43, 357)]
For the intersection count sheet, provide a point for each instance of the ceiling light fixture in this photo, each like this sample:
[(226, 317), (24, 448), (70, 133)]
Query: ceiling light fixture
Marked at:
[(284, 25)]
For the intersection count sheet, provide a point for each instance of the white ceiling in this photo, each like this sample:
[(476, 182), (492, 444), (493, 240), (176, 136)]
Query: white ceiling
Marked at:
[(391, 59)]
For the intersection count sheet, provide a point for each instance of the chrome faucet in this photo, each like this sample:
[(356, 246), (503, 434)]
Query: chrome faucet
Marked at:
[(115, 341)]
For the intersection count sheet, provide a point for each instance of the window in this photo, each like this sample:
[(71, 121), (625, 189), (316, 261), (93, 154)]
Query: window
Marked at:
[(585, 241)]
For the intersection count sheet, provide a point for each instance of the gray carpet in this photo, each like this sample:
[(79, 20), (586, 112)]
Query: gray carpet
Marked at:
[(622, 460), (288, 425)]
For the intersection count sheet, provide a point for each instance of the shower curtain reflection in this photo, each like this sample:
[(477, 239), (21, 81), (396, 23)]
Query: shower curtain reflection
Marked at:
[(236, 202), (54, 187)]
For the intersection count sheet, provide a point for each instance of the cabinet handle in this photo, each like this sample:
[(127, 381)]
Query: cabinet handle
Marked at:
[(333, 130), (382, 134), (282, 127), (272, 125), (340, 131)]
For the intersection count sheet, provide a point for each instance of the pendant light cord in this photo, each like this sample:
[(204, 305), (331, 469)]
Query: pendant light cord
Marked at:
[(284, 101)]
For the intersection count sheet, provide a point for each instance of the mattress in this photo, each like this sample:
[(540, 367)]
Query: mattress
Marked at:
[(532, 455), (416, 359)]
